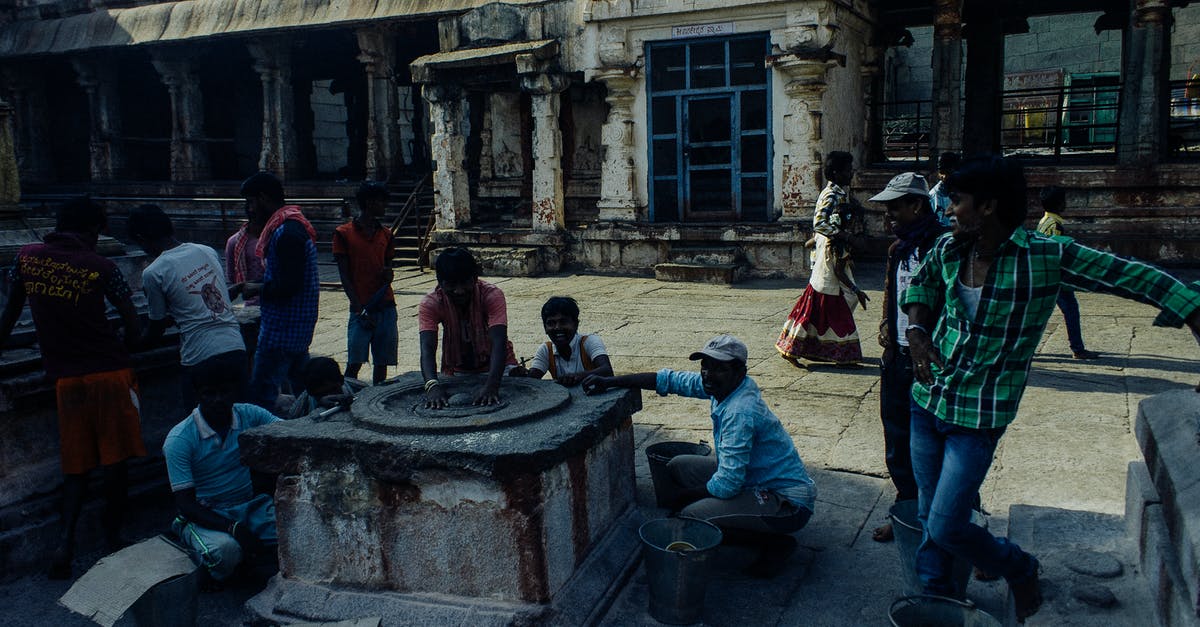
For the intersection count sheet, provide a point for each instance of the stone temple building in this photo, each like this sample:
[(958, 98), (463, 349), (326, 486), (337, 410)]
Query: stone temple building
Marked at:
[(613, 135)]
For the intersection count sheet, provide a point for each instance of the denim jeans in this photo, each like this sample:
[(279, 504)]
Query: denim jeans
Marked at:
[(895, 402), (273, 367), (950, 463), (1070, 311)]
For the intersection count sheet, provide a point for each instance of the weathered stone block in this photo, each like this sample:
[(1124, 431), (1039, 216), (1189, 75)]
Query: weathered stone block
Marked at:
[(719, 274)]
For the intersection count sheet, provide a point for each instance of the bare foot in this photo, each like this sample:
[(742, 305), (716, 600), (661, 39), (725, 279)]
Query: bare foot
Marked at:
[(883, 533)]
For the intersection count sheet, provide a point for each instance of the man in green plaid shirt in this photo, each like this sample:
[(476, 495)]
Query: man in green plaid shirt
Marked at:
[(977, 310)]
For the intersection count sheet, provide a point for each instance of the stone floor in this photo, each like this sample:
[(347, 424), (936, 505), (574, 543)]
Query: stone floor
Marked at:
[(1068, 448)]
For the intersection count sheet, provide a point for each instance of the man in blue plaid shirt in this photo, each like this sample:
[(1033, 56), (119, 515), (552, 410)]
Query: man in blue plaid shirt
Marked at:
[(977, 310)]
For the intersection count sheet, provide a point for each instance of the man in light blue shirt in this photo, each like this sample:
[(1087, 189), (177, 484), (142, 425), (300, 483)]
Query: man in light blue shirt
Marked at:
[(220, 518), (756, 488)]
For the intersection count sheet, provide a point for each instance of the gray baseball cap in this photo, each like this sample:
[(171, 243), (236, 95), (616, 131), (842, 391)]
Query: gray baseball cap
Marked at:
[(903, 185), (723, 348)]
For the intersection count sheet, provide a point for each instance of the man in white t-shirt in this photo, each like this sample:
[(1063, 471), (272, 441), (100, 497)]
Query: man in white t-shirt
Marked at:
[(185, 283), (568, 356)]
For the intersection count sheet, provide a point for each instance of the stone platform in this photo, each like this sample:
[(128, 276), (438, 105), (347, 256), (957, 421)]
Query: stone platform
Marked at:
[(517, 513)]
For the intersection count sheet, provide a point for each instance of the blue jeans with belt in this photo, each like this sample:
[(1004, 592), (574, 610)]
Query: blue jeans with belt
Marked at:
[(950, 463)]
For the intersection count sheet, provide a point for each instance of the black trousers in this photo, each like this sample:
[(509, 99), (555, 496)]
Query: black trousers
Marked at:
[(895, 401)]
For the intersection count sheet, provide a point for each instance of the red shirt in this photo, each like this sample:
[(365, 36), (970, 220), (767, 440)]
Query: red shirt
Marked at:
[(465, 343), (367, 258), (67, 284)]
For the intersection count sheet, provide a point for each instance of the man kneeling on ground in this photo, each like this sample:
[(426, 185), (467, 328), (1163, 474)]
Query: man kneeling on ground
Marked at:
[(756, 489), (220, 518)]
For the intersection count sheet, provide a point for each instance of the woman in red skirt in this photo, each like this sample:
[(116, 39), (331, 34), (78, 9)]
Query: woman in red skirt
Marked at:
[(821, 326)]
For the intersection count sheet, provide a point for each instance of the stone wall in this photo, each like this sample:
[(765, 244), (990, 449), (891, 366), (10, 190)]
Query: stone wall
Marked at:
[(329, 128), (1185, 42)]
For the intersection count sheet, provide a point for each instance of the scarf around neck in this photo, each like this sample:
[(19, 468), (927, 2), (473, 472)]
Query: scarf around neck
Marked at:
[(281, 215), (911, 236)]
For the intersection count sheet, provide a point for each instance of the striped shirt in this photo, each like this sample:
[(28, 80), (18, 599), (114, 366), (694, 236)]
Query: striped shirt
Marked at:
[(1050, 224), (826, 219), (987, 356)]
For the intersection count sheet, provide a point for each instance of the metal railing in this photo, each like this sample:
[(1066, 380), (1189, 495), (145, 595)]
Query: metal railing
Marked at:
[(905, 129), (1053, 122)]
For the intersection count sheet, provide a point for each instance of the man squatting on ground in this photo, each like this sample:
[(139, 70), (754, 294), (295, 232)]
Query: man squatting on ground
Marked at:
[(911, 219), (977, 310), (474, 319), (220, 518), (756, 488), (99, 424)]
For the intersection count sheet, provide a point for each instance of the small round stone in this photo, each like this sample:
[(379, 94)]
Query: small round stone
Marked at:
[(1093, 564), (462, 399), (1094, 594)]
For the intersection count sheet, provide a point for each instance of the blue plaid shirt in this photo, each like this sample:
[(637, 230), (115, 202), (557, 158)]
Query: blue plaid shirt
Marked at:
[(287, 323), (753, 450)]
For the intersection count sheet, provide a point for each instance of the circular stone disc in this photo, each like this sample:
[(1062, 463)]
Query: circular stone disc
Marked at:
[(400, 408)]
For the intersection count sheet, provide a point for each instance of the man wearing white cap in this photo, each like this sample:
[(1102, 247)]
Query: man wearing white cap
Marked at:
[(911, 219), (756, 488)]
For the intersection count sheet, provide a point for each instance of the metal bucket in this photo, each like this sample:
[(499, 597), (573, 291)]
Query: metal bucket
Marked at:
[(677, 553), (925, 610), (908, 532), (659, 455)]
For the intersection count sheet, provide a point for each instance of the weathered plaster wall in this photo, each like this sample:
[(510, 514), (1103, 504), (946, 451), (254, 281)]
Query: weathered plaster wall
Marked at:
[(1185, 42)]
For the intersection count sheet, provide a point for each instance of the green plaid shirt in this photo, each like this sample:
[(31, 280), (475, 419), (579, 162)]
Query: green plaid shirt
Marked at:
[(988, 358)]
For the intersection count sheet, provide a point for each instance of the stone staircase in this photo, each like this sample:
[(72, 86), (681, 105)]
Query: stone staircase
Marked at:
[(701, 263)]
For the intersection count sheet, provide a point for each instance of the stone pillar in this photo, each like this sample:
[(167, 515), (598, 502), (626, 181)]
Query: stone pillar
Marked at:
[(189, 150), (872, 82), (946, 124), (448, 147), (1144, 93), (547, 202), (98, 80), (30, 126), (985, 79), (273, 63), (377, 54), (802, 154), (10, 182), (618, 200)]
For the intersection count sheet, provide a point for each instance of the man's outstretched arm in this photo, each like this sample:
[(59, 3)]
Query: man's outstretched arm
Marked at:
[(594, 384)]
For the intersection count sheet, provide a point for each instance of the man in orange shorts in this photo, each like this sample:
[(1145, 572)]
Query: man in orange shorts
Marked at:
[(67, 283)]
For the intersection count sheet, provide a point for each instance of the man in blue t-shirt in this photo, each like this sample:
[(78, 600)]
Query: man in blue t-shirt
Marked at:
[(220, 518), (756, 489)]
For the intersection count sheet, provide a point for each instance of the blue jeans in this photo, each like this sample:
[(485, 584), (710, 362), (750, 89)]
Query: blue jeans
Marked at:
[(272, 368), (950, 463), (376, 334), (1070, 311), (217, 551)]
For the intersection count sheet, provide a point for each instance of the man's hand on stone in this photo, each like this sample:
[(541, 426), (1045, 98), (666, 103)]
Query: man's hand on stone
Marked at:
[(487, 395), (435, 397), (595, 384), (567, 380)]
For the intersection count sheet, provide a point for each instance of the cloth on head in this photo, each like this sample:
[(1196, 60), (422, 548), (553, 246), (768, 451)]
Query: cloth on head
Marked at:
[(281, 215)]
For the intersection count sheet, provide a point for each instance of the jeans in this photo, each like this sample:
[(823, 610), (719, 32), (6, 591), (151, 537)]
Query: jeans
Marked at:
[(217, 551), (950, 463), (895, 401), (1070, 311), (272, 368), (753, 511)]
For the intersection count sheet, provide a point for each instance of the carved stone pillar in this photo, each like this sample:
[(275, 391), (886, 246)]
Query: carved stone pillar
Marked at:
[(872, 83), (10, 182), (273, 63), (98, 80), (189, 150), (618, 199), (802, 150), (542, 80), (448, 147), (30, 125), (378, 57), (946, 124), (984, 78), (1144, 100)]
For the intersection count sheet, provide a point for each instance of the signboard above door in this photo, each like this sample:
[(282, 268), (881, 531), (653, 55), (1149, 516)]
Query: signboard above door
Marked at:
[(702, 30)]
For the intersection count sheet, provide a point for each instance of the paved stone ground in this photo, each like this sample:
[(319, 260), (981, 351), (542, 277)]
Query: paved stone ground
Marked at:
[(1068, 448)]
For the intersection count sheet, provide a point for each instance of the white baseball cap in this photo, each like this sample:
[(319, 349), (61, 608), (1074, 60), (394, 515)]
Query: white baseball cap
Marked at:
[(902, 185), (723, 348)]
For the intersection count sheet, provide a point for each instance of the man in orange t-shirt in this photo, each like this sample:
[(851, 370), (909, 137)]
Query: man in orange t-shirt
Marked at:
[(363, 250)]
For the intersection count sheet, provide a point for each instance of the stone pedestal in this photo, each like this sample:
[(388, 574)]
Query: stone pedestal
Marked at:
[(522, 513)]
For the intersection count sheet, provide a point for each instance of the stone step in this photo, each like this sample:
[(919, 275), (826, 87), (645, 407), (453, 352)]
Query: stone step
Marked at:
[(715, 273), (704, 255)]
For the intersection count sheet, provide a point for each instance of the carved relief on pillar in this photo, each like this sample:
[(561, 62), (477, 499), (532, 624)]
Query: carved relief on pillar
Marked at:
[(547, 201), (946, 117), (618, 201), (947, 19), (31, 129), (98, 80), (189, 148), (802, 150), (1151, 13), (452, 201), (273, 63), (378, 55)]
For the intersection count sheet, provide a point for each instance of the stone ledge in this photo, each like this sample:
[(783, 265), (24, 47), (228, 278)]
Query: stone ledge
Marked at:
[(717, 274)]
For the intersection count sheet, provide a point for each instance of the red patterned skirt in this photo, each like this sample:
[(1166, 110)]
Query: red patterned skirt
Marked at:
[(820, 328)]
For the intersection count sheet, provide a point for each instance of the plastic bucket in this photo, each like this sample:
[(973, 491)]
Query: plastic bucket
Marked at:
[(934, 611), (908, 532), (677, 553), (659, 455)]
